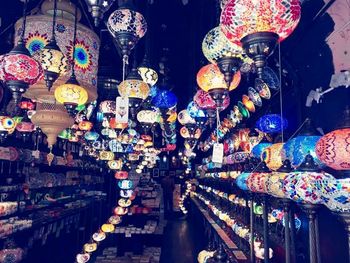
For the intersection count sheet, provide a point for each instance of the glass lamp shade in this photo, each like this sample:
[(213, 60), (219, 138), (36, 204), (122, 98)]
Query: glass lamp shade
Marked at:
[(305, 186), (209, 78), (133, 88), (71, 93), (7, 124), (275, 184), (91, 136), (115, 220), (259, 149), (108, 107), (241, 181), (297, 148), (271, 123), (21, 69), (115, 164), (254, 97), (99, 236), (106, 155), (90, 247), (203, 100), (148, 75), (336, 195), (272, 156), (25, 126), (215, 45), (107, 228), (127, 27), (147, 116), (27, 105), (121, 175), (248, 104), (332, 149), (53, 61), (194, 111), (85, 125), (120, 211), (164, 100), (258, 182), (240, 18), (184, 118), (124, 202), (125, 184)]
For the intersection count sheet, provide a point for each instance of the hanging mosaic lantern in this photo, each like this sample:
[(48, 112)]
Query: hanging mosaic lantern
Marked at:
[(272, 156), (147, 74), (164, 100), (259, 25), (271, 123), (184, 118)]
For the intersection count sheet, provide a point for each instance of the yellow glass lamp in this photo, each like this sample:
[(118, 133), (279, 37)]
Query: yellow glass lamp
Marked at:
[(107, 228), (71, 94), (272, 156)]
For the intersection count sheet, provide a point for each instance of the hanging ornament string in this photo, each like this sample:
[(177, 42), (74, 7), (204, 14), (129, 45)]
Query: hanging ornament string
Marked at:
[(74, 40), (53, 37), (24, 21), (125, 62), (217, 124), (281, 94)]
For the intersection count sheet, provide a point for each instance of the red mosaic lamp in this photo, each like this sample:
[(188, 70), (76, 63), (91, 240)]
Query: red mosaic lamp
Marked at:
[(259, 25), (17, 68)]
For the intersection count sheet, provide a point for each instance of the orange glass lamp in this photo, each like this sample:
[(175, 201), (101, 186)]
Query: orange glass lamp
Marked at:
[(85, 125), (211, 80), (248, 103), (333, 148), (272, 156)]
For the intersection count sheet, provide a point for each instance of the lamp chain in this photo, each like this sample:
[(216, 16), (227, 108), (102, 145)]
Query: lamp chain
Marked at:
[(281, 95), (74, 39), (54, 19), (24, 20)]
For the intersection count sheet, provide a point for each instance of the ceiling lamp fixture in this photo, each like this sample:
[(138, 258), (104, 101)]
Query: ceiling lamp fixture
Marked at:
[(211, 80), (52, 59), (333, 148), (71, 94), (97, 9), (135, 89), (18, 69), (127, 27), (219, 50), (259, 25)]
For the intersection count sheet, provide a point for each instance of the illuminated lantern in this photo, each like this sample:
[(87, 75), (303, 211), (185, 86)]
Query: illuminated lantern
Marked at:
[(259, 25), (120, 211), (125, 184), (115, 220), (83, 258), (127, 27), (210, 79), (147, 74), (257, 181), (27, 105), (147, 116), (108, 107), (271, 123), (133, 87), (91, 136), (272, 156), (333, 148), (124, 202), (219, 50), (304, 185), (18, 69), (241, 181), (184, 118), (99, 236), (106, 155), (248, 103), (90, 247), (276, 180), (259, 149), (115, 164), (85, 125), (121, 175), (199, 115), (164, 100), (107, 228)]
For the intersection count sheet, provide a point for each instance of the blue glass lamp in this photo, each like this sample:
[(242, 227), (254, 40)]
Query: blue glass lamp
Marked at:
[(164, 99), (271, 123)]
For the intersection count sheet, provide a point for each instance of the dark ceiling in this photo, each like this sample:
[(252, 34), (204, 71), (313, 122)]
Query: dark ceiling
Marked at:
[(179, 29)]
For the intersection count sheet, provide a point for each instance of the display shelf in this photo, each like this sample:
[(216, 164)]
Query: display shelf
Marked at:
[(230, 244)]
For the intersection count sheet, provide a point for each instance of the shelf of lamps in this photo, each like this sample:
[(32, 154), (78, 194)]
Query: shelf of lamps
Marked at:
[(275, 217), (241, 230), (14, 225)]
